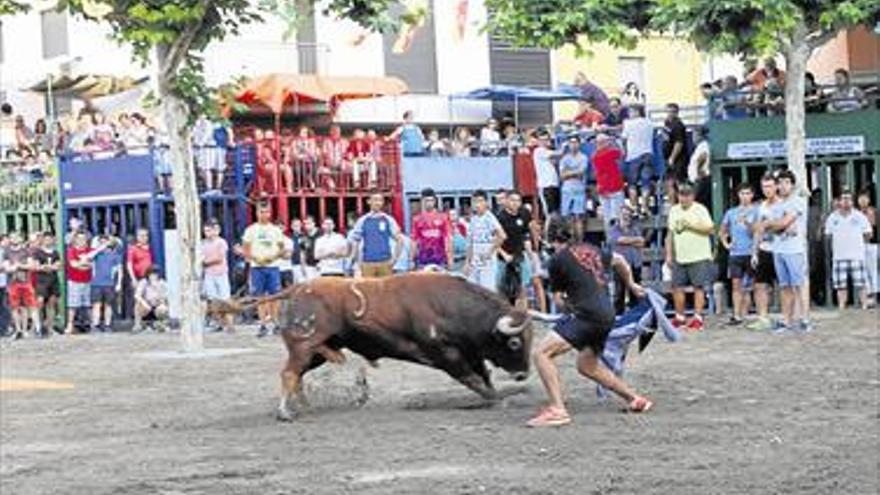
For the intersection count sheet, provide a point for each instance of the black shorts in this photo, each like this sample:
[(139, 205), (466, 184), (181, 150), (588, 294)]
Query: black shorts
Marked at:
[(105, 295), (583, 334), (47, 289), (739, 266), (765, 272)]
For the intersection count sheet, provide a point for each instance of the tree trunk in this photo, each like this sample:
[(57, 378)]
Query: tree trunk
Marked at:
[(796, 56), (186, 208)]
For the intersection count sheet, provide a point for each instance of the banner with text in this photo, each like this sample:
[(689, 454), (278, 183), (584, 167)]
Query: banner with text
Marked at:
[(830, 145)]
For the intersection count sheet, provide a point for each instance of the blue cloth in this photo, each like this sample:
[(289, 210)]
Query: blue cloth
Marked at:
[(375, 231), (402, 263), (648, 316), (573, 203), (265, 280), (105, 266), (739, 222), (412, 142)]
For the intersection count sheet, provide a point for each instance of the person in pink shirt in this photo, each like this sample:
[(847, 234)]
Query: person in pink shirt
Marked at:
[(431, 235), (215, 280)]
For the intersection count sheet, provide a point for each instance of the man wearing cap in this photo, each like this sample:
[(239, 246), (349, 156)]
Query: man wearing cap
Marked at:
[(689, 254), (431, 235)]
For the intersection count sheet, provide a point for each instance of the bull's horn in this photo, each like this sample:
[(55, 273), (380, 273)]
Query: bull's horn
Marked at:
[(545, 317), (506, 327)]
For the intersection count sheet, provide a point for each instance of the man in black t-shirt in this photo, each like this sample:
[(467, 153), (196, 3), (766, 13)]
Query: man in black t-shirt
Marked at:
[(675, 149), (47, 287), (512, 257), (579, 278)]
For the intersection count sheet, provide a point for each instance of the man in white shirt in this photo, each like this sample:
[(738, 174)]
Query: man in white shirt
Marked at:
[(547, 177), (848, 229), (638, 133), (331, 250)]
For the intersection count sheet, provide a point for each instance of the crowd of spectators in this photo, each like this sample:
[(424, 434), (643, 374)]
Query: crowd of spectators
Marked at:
[(762, 92)]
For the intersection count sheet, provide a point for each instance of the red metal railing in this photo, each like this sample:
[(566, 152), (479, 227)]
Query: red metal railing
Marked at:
[(289, 167)]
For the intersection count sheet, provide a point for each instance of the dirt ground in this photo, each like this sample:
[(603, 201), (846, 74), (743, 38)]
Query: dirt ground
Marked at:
[(736, 412)]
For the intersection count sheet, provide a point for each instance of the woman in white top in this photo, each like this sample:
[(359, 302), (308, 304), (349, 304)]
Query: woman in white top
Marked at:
[(490, 139)]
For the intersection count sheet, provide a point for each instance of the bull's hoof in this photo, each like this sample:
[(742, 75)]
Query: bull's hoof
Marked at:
[(285, 415)]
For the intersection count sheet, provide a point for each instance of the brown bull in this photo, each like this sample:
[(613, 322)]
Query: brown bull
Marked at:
[(432, 319)]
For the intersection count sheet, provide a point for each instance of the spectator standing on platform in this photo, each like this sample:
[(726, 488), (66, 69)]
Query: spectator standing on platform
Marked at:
[(412, 140), (514, 254), (588, 116), (572, 172), (263, 245), (689, 253), (617, 113), (762, 253), (675, 149), (215, 277), (546, 176), (48, 264), (371, 240), (151, 302), (490, 139), (106, 283), (845, 97), (872, 276), (485, 236), (848, 229), (638, 135), (736, 235), (788, 220), (463, 144), (331, 250), (139, 257), (609, 181), (431, 235), (590, 91), (22, 296)]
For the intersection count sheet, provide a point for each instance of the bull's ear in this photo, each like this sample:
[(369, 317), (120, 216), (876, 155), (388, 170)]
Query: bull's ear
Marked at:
[(514, 343)]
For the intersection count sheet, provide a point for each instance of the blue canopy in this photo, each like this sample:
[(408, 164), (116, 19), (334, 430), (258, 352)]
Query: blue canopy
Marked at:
[(517, 93)]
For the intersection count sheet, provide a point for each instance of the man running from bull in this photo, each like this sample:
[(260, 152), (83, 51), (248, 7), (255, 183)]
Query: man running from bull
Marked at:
[(579, 278)]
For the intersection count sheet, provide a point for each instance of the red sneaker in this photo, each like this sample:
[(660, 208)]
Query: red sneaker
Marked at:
[(678, 321), (696, 324)]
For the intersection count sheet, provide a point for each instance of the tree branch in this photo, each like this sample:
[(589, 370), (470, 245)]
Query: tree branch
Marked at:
[(816, 40), (177, 51)]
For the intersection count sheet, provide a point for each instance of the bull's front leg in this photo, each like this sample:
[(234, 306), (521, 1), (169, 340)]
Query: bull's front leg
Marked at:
[(470, 373), (300, 360)]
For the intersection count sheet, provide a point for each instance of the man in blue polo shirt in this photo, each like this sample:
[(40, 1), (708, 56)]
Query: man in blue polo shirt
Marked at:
[(371, 237)]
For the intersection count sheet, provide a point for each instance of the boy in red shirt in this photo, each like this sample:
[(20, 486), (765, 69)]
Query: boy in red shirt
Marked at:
[(139, 258), (431, 235), (609, 179)]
